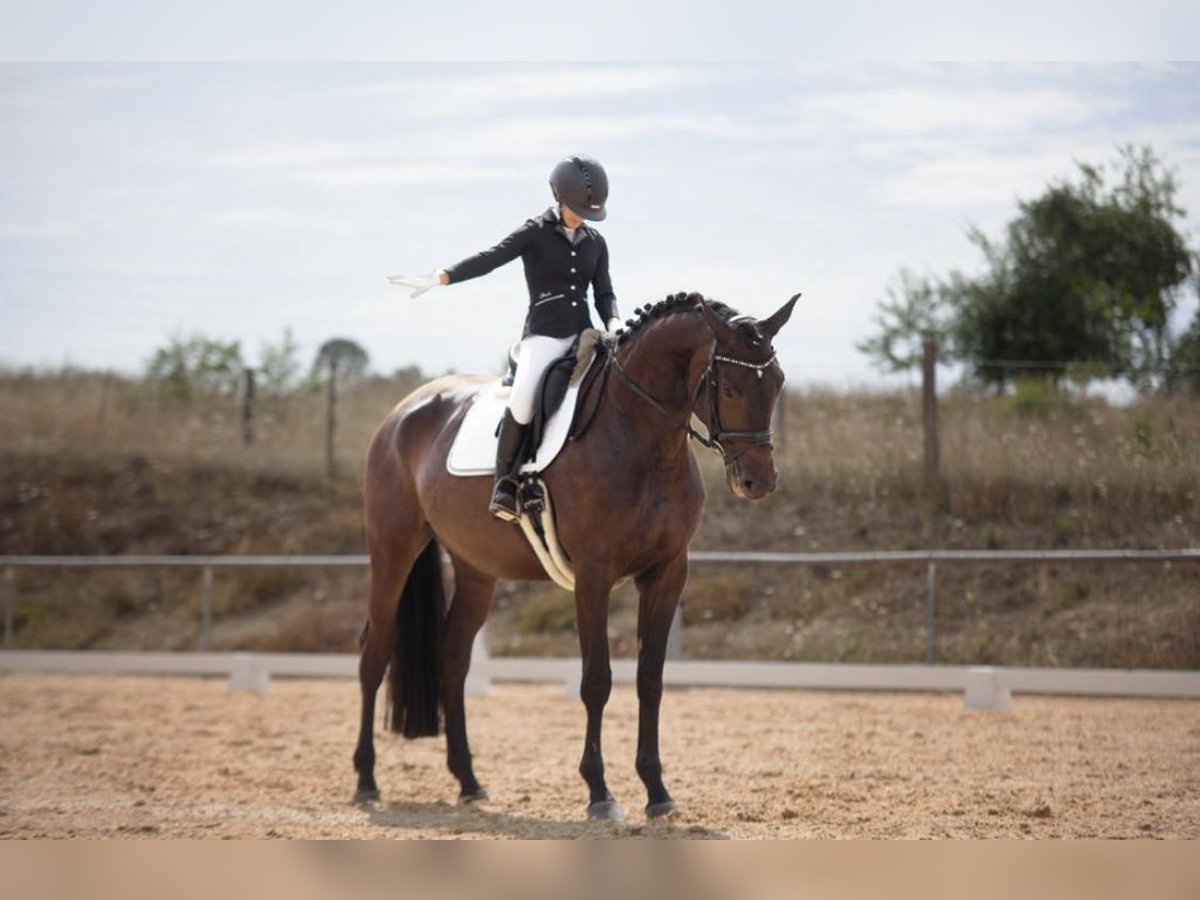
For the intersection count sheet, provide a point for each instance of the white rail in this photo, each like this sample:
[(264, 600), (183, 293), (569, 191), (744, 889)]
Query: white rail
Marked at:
[(252, 671)]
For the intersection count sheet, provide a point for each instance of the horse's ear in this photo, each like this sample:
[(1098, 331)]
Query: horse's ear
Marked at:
[(716, 324), (770, 326)]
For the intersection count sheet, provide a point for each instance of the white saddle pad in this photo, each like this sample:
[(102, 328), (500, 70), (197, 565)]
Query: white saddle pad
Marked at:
[(474, 449)]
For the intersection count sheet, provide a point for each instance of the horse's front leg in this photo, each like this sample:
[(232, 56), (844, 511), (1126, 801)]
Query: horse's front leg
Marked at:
[(658, 591), (591, 613)]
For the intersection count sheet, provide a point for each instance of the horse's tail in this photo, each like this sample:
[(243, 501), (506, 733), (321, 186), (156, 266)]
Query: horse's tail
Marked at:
[(413, 685)]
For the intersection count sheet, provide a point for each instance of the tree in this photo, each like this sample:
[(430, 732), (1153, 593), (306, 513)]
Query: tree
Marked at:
[(1183, 368), (279, 365), (916, 311), (350, 359), (196, 364), (1088, 272)]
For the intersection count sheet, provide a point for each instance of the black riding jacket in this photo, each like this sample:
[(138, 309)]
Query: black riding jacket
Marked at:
[(557, 271)]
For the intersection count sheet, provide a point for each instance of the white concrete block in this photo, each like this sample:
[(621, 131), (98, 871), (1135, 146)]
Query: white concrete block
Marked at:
[(477, 687), (572, 685), (248, 674), (987, 691)]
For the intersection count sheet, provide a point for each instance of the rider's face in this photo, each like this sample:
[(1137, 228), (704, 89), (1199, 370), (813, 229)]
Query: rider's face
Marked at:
[(569, 218)]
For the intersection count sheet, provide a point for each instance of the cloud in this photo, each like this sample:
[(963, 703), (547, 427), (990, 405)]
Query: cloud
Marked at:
[(50, 229), (911, 111), (978, 179), (457, 153), (456, 95), (397, 174), (271, 155), (260, 217), (531, 136)]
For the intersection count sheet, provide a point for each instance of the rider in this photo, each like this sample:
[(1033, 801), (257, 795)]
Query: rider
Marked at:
[(562, 256)]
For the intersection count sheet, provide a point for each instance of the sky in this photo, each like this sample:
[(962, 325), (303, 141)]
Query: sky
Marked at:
[(142, 200)]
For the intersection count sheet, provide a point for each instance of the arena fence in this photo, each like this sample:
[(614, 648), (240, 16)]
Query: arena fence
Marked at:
[(248, 670)]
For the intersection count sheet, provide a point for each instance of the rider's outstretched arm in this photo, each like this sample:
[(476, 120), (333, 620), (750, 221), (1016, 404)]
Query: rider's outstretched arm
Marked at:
[(482, 263)]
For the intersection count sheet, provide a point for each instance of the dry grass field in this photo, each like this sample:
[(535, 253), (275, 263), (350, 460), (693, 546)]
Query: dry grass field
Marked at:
[(94, 464)]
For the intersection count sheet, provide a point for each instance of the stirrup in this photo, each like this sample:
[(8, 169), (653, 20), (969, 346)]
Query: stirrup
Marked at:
[(504, 503)]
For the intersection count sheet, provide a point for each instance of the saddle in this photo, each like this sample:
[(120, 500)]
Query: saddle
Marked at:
[(556, 379), (558, 402), (474, 448)]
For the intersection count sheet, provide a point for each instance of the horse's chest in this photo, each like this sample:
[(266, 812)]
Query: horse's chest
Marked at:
[(672, 516)]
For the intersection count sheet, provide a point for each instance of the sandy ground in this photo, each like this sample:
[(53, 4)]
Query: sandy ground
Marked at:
[(172, 757)]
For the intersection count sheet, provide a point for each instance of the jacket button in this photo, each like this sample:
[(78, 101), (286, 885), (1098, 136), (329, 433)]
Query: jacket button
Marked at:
[(574, 303), (572, 253), (572, 287), (572, 271)]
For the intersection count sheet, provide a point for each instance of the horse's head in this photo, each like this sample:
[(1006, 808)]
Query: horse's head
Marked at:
[(737, 396)]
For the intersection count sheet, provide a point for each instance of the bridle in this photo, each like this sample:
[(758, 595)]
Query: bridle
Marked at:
[(717, 434), (710, 380)]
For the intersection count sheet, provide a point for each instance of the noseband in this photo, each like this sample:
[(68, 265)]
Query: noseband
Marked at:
[(710, 380)]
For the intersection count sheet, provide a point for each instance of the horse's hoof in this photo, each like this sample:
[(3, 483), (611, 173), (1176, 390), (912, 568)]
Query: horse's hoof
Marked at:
[(606, 810), (660, 810), (468, 799), (363, 796)]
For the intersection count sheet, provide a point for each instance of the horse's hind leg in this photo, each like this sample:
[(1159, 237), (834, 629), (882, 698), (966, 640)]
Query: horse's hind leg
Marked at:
[(390, 567), (468, 610)]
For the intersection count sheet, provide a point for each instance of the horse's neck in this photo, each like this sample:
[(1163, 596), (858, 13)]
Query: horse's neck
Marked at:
[(667, 362)]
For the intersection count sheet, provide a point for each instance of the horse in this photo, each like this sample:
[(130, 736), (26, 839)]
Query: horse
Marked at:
[(628, 498)]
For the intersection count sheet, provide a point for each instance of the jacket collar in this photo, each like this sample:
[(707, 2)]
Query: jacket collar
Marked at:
[(551, 217)]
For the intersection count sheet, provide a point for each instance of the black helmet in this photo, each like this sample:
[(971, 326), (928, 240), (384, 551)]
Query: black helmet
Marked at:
[(581, 183)]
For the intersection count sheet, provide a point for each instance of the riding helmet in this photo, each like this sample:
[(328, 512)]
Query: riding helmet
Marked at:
[(581, 183)]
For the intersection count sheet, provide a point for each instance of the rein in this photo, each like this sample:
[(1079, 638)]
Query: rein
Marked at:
[(717, 435)]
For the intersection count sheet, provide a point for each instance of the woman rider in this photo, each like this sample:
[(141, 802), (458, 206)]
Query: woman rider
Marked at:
[(562, 256)]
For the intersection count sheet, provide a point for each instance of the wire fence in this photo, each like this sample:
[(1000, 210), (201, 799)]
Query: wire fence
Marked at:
[(931, 559)]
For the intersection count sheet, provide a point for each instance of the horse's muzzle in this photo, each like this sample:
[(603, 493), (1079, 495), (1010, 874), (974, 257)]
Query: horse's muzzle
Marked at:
[(750, 482)]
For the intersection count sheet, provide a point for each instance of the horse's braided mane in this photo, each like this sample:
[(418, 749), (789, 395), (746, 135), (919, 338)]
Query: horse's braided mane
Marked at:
[(673, 303)]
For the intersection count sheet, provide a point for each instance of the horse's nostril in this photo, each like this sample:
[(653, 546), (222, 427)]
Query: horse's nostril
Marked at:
[(748, 485)]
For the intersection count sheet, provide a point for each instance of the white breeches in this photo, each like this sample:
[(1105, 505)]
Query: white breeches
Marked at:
[(536, 352)]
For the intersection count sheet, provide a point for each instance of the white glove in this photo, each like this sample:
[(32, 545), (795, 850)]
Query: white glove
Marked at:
[(419, 283), (612, 325)]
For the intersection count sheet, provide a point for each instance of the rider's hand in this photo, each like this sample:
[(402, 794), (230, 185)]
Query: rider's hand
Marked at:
[(609, 335), (420, 283)]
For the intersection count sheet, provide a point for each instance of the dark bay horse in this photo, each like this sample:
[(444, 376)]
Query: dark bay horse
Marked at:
[(628, 497)]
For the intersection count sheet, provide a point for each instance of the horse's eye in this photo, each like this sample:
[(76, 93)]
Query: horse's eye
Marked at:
[(727, 393)]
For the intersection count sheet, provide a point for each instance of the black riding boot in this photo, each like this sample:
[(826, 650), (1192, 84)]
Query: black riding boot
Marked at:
[(509, 459)]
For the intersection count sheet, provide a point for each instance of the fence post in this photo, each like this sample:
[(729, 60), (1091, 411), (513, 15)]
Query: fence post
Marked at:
[(248, 409), (102, 411), (10, 590), (206, 608), (331, 420), (929, 402), (930, 609)]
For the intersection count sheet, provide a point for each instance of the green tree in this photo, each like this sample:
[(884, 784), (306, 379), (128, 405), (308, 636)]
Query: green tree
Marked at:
[(279, 366), (1087, 273), (1183, 367), (349, 357), (915, 311), (188, 366)]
